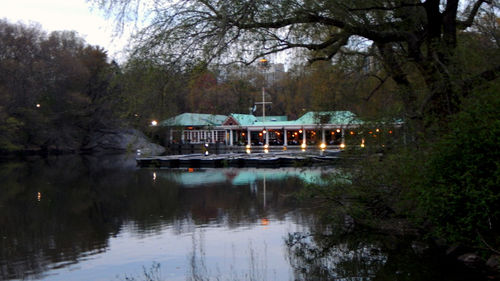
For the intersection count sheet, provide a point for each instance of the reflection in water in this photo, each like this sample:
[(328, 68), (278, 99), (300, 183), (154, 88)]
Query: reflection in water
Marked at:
[(238, 176), (257, 265), (88, 218), (312, 259), (59, 214)]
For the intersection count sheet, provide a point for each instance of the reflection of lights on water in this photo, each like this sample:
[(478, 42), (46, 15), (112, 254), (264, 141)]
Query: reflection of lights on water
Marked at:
[(303, 145), (322, 145), (138, 152), (284, 148), (266, 150), (266, 146), (248, 151), (154, 176), (264, 222), (342, 145), (206, 153), (362, 142), (39, 196), (247, 146), (190, 170)]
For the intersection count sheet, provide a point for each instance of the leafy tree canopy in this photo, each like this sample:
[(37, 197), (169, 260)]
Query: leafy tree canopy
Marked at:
[(414, 42)]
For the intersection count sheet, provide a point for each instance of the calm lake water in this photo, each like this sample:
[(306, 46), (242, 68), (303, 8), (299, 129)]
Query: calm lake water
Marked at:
[(89, 218)]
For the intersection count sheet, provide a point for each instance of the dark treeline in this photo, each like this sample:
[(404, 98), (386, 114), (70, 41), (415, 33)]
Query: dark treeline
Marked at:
[(434, 64), (56, 90)]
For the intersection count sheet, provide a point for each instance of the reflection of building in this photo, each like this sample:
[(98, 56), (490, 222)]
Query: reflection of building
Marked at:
[(249, 176), (327, 127)]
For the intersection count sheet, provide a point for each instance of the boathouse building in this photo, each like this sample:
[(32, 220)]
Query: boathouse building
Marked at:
[(313, 128)]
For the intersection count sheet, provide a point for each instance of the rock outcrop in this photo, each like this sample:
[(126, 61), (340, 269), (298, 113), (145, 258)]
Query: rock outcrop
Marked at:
[(120, 141)]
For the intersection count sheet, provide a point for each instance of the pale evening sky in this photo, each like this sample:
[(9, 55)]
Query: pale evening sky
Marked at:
[(76, 15)]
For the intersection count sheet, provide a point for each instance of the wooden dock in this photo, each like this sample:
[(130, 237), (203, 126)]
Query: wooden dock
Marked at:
[(259, 160)]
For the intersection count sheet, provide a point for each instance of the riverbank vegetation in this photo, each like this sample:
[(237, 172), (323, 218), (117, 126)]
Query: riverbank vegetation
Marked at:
[(432, 64), (54, 89)]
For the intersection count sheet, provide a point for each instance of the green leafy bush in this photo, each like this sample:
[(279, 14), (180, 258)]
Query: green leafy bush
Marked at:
[(459, 189)]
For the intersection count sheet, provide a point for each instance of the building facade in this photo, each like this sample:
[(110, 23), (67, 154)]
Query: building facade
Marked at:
[(313, 128)]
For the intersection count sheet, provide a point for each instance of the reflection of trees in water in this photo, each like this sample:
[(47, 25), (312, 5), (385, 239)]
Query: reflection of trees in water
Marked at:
[(85, 201), (324, 258), (332, 252)]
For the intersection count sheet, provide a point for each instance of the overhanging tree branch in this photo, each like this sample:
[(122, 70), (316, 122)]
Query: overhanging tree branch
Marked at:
[(385, 8), (462, 25)]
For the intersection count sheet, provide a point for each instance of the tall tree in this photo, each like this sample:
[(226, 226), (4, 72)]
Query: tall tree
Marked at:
[(416, 42), (54, 88)]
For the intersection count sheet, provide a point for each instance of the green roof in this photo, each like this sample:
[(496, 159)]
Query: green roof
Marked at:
[(244, 119), (195, 119), (278, 118), (328, 117), (310, 118)]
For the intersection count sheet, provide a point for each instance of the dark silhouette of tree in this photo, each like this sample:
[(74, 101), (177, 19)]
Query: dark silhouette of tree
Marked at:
[(415, 42)]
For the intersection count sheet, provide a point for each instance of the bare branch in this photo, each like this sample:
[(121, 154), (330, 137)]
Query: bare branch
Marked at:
[(385, 8), (381, 82), (462, 25)]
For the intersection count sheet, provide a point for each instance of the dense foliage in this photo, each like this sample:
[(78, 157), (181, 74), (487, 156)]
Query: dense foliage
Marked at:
[(416, 43), (440, 58), (460, 185), (434, 64), (54, 89)]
